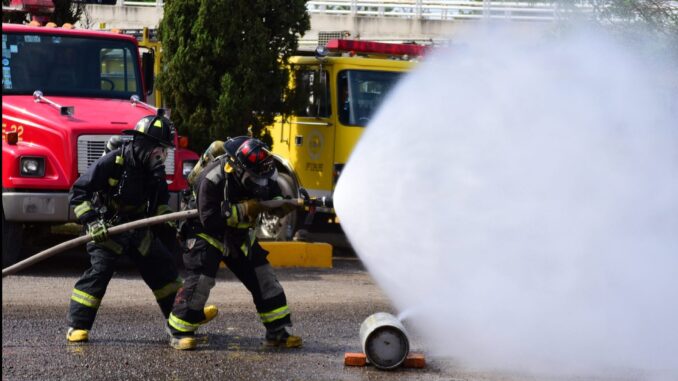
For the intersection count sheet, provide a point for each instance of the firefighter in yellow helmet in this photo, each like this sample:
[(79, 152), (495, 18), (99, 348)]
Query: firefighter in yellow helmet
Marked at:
[(227, 192), (126, 184)]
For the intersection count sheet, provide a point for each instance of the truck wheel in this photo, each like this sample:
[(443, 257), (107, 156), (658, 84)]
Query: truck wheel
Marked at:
[(12, 236), (274, 228)]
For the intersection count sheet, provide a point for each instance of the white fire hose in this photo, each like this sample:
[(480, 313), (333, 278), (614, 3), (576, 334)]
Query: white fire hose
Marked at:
[(86, 238), (183, 215)]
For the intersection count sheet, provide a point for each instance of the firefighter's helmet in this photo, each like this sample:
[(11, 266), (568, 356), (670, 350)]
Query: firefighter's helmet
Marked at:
[(231, 145), (254, 162), (157, 128)]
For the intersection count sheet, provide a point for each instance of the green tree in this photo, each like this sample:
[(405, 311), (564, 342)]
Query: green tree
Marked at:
[(66, 11), (224, 64)]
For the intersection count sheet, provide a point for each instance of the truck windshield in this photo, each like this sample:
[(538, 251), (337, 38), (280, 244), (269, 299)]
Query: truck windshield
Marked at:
[(361, 92), (70, 66)]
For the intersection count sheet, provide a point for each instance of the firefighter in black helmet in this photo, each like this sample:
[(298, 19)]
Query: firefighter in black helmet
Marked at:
[(124, 185), (227, 192)]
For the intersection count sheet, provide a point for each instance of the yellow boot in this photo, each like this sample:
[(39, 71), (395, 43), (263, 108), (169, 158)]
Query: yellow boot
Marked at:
[(211, 312), (77, 335), (183, 342), (281, 338)]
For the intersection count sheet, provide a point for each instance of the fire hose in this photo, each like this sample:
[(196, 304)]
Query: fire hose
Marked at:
[(86, 238), (185, 214)]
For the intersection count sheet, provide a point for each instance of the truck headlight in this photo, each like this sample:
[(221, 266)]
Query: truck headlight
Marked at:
[(187, 167), (32, 166)]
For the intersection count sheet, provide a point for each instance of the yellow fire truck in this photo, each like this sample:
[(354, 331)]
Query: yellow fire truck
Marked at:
[(337, 91)]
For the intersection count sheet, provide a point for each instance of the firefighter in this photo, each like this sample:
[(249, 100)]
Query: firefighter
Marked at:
[(124, 185), (227, 192)]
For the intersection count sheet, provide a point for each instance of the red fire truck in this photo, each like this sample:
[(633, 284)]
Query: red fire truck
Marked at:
[(65, 92)]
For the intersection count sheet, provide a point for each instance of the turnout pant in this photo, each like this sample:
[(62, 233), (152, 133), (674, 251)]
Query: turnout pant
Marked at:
[(253, 270), (153, 261)]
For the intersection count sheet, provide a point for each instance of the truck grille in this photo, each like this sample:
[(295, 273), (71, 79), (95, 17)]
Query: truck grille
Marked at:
[(91, 147)]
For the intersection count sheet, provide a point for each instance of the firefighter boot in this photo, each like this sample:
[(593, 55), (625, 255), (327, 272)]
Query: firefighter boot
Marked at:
[(75, 335), (281, 338), (185, 341), (210, 312)]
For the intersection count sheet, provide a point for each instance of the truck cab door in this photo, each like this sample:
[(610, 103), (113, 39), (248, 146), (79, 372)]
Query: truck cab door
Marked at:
[(311, 131), (359, 94)]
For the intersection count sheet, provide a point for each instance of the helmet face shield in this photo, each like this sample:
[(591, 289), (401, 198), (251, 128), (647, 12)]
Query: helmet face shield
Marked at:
[(258, 186), (157, 157), (149, 153), (250, 179), (255, 164)]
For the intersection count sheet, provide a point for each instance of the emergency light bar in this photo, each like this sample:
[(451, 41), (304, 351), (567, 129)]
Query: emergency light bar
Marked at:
[(375, 47), (44, 7)]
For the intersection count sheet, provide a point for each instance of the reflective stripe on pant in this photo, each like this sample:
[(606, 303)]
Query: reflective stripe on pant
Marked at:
[(181, 325), (157, 269), (91, 286), (201, 263), (85, 299), (257, 275), (254, 271), (276, 314)]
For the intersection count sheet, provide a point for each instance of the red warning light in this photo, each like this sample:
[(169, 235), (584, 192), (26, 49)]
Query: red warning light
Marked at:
[(376, 47)]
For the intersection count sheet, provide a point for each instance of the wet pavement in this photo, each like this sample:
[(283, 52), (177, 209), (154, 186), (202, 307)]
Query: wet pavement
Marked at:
[(128, 341)]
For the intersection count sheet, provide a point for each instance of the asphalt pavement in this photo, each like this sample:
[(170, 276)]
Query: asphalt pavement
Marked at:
[(128, 341)]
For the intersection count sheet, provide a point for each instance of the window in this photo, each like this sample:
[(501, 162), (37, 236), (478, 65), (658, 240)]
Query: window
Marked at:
[(360, 93), (311, 94), (70, 66), (117, 70)]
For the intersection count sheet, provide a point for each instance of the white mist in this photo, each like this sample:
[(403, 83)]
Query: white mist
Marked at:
[(520, 203)]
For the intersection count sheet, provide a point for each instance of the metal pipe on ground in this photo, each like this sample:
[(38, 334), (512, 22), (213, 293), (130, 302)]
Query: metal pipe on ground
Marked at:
[(384, 340)]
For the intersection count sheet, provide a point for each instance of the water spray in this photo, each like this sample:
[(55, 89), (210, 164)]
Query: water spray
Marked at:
[(528, 193)]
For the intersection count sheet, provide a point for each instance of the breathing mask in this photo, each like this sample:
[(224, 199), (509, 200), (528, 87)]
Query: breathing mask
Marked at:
[(156, 158)]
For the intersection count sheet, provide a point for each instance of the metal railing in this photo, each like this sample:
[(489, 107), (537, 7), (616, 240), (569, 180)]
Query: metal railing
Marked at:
[(427, 9), (436, 10), (152, 3)]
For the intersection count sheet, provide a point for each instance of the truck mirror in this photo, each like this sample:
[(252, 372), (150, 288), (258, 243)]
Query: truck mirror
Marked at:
[(147, 63)]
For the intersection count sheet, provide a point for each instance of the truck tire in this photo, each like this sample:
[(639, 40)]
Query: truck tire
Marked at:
[(12, 236), (274, 228)]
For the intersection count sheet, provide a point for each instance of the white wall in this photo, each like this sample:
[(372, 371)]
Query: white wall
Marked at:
[(367, 28)]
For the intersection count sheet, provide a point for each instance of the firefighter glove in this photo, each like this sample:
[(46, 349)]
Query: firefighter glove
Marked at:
[(249, 208), (97, 230)]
